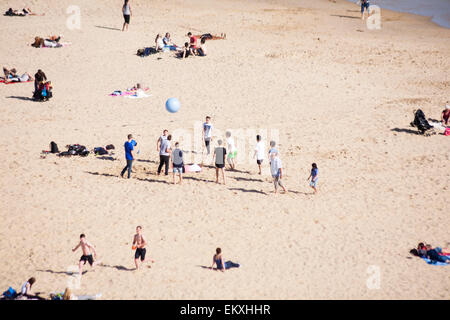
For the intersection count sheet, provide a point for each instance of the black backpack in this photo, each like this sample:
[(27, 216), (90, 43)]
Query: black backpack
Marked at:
[(53, 147)]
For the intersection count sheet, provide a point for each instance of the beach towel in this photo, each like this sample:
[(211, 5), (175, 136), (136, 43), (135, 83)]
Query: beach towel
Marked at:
[(59, 45), (3, 81), (436, 263), (119, 93), (192, 168), (138, 94)]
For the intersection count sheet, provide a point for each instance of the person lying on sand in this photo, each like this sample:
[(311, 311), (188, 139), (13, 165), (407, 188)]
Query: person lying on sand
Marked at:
[(87, 249), (11, 76), (52, 42), (445, 117), (437, 254), (209, 36), (23, 13), (201, 51)]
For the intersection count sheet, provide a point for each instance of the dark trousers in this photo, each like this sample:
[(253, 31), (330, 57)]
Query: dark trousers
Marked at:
[(164, 160), (128, 166)]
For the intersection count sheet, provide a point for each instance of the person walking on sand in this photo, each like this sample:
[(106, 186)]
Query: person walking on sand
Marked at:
[(127, 13), (272, 149), (177, 162), (232, 152), (259, 152), (365, 5), (314, 176), (164, 155), (87, 249), (219, 155), (139, 244), (276, 169), (129, 155), (207, 133)]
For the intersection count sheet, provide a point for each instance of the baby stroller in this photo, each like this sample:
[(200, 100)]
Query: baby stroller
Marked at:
[(44, 92), (421, 122)]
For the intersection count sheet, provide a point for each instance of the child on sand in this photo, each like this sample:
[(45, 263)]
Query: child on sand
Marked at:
[(87, 249), (232, 150), (177, 162), (259, 152), (314, 177), (219, 155), (139, 244), (277, 171)]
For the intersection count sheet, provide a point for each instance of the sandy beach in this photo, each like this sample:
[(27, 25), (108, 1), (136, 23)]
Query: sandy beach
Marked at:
[(309, 74)]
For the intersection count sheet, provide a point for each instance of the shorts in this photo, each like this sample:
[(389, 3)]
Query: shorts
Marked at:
[(177, 169), (220, 166), (140, 253), (232, 155), (127, 18), (364, 5), (313, 183), (88, 258), (259, 161)]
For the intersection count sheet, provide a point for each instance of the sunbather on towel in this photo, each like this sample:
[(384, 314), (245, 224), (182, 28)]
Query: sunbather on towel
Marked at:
[(23, 13), (52, 42), (12, 76), (436, 254)]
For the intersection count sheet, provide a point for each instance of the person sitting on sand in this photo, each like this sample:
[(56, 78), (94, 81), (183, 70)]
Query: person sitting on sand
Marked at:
[(68, 295), (159, 43), (445, 117), (202, 50), (192, 43), (185, 52), (220, 265), (26, 287), (168, 43)]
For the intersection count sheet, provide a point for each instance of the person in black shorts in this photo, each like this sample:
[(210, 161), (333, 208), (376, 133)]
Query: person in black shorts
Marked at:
[(139, 244), (219, 155), (126, 10), (87, 249)]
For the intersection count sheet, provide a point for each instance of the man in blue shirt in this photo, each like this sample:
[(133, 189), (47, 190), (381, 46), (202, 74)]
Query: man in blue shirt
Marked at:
[(129, 155)]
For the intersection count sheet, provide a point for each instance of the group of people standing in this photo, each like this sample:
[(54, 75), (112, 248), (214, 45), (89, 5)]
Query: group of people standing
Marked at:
[(220, 156)]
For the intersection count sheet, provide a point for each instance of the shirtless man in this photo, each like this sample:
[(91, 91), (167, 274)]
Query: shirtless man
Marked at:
[(139, 244), (86, 247)]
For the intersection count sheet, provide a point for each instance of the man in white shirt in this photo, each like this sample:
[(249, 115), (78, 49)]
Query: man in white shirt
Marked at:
[(259, 152)]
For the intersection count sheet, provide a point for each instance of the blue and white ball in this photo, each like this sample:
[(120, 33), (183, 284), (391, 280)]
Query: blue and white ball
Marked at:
[(173, 105)]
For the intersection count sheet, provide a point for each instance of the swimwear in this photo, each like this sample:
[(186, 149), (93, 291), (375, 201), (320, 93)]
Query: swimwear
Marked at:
[(88, 258), (140, 252)]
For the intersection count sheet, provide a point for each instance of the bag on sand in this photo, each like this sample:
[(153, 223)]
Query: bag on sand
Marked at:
[(447, 132), (53, 147), (110, 147), (10, 293)]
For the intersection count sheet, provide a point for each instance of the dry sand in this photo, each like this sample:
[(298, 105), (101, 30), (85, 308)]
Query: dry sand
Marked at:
[(333, 89)]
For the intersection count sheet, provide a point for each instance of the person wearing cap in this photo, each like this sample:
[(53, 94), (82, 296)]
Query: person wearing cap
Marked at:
[(445, 117)]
